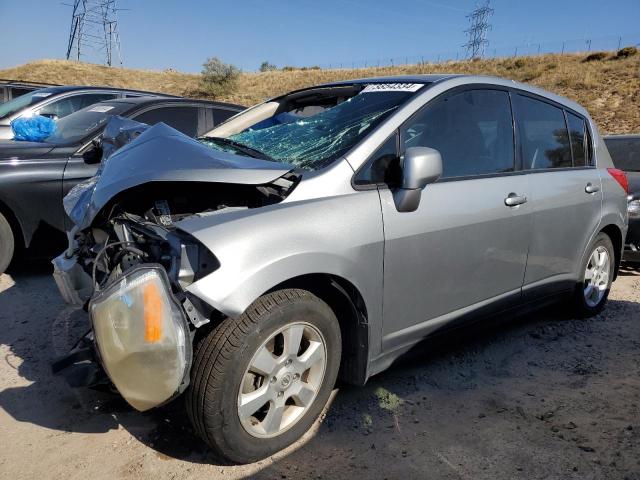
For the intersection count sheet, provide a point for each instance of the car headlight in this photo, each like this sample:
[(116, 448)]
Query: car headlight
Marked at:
[(634, 209), (142, 337)]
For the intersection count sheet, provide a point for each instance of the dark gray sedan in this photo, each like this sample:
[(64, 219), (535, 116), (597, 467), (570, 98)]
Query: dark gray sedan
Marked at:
[(34, 177), (58, 102)]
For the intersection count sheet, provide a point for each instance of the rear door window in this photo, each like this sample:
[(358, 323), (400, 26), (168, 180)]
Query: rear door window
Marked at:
[(183, 118), (543, 135), (472, 130)]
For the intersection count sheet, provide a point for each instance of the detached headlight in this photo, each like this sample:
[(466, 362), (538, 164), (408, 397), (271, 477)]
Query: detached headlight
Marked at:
[(142, 337), (634, 209)]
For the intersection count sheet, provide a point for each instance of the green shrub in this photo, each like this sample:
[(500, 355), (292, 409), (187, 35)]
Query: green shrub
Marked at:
[(595, 56), (267, 67), (519, 63), (219, 78), (626, 52)]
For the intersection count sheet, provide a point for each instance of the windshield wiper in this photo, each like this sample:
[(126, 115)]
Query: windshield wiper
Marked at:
[(241, 147)]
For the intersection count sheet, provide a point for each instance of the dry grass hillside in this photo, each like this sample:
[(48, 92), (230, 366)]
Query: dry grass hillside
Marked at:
[(607, 85)]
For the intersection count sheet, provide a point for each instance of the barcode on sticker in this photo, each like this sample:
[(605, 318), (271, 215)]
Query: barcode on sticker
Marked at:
[(392, 87)]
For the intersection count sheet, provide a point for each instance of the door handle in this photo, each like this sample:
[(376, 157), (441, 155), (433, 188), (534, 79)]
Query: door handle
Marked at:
[(513, 200), (591, 188)]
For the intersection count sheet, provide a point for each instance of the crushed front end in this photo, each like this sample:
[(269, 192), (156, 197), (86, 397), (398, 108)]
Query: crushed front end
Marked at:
[(129, 273), (128, 265)]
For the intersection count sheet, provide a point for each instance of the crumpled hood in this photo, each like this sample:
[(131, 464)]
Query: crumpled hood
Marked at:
[(10, 149), (163, 154)]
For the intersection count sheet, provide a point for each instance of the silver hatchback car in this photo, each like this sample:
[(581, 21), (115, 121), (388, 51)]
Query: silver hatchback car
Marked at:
[(322, 234)]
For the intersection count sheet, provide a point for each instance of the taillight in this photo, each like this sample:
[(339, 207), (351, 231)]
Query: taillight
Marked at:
[(620, 177)]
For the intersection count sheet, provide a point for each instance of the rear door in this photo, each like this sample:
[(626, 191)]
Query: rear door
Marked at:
[(566, 195)]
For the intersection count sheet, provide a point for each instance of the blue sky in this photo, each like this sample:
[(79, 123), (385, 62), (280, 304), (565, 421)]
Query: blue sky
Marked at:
[(159, 34)]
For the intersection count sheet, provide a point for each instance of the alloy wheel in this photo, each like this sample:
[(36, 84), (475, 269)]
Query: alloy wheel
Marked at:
[(596, 277), (282, 380)]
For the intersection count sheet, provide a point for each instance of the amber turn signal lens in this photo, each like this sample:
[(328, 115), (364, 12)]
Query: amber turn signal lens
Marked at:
[(153, 313)]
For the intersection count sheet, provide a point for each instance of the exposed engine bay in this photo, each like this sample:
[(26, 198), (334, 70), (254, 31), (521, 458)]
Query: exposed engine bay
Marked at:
[(139, 227), (149, 179)]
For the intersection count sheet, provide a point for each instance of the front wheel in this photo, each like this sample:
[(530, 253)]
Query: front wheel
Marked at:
[(597, 275), (259, 381)]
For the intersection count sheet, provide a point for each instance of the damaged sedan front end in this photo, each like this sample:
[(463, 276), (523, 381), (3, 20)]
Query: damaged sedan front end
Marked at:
[(128, 263)]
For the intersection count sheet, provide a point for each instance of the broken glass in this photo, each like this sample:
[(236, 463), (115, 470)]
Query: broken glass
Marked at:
[(312, 142)]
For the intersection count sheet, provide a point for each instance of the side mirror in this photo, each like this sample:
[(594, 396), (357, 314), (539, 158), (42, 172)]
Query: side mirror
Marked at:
[(420, 167), (93, 155)]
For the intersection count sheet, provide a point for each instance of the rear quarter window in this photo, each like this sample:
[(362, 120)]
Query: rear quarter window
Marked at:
[(578, 133)]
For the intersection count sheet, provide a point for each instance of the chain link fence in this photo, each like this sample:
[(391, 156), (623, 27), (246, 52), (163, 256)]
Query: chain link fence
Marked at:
[(587, 44)]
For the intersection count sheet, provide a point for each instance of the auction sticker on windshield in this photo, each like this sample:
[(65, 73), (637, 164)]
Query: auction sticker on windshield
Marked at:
[(101, 108), (392, 87)]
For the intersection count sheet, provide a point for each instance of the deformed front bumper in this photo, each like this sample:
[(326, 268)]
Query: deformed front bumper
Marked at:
[(81, 367), (74, 284)]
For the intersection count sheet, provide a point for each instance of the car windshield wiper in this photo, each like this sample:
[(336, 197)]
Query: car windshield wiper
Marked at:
[(241, 147)]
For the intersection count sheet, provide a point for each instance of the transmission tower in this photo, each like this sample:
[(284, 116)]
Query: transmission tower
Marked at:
[(94, 30), (476, 33)]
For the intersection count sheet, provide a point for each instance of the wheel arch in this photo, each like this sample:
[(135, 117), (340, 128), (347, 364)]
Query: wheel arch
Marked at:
[(615, 234), (14, 223), (346, 301)]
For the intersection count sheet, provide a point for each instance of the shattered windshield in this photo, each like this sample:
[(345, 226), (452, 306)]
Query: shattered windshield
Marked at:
[(311, 138)]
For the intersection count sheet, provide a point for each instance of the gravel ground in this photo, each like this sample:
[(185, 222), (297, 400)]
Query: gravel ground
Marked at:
[(540, 397)]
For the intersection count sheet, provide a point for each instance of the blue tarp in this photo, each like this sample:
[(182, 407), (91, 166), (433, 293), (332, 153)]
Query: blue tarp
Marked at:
[(32, 129)]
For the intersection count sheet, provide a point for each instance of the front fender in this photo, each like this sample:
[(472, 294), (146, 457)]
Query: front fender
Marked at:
[(231, 292), (260, 248)]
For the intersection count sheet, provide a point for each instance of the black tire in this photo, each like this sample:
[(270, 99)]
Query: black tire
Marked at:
[(222, 357), (580, 306), (7, 244)]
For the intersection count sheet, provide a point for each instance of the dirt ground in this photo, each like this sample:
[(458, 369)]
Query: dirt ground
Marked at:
[(540, 397)]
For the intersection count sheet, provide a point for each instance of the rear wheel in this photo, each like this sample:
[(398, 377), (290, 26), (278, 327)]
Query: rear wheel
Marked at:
[(259, 381), (7, 243), (597, 275)]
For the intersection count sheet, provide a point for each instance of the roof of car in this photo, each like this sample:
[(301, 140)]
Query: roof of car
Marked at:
[(150, 100), (471, 79), (623, 136), (425, 78), (71, 88)]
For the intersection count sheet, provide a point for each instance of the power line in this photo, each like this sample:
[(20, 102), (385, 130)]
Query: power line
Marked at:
[(477, 32), (94, 27)]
